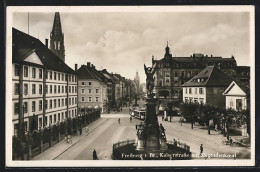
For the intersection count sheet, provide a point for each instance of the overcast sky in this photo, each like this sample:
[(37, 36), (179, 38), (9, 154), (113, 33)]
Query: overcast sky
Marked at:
[(123, 42)]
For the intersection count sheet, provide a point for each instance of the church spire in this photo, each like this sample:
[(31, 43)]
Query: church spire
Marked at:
[(56, 28), (167, 50), (57, 38)]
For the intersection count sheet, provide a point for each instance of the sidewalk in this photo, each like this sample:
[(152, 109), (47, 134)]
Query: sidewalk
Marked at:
[(59, 148)]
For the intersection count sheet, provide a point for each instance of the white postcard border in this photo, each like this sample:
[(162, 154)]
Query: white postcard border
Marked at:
[(116, 163)]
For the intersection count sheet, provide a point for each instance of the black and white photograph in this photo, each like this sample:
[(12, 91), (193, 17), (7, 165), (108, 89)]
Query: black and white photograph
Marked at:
[(130, 86)]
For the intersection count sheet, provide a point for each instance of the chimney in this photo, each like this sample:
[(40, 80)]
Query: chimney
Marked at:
[(46, 43), (88, 64), (76, 67)]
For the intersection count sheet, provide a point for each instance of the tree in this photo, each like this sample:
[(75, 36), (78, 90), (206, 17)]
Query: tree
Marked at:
[(227, 116), (206, 113), (188, 112), (244, 118)]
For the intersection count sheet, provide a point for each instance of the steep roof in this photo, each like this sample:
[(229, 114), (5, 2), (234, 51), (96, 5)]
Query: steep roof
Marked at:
[(24, 45), (114, 77), (244, 87), (210, 76), (120, 77), (105, 73), (89, 72)]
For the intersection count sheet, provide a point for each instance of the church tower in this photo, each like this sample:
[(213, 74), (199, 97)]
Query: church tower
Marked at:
[(137, 81), (167, 54), (57, 38)]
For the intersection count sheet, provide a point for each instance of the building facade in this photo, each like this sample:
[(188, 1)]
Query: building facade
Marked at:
[(172, 72), (110, 87), (207, 87), (57, 38), (44, 87), (237, 96), (92, 90)]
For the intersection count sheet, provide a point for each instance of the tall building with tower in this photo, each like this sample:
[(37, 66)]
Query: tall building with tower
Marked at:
[(172, 72), (137, 82), (57, 38)]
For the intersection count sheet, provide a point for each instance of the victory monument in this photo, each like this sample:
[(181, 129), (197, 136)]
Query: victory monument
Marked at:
[(150, 142), (150, 135)]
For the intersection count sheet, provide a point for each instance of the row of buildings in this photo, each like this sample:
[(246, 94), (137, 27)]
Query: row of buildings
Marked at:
[(99, 88), (46, 90), (202, 78)]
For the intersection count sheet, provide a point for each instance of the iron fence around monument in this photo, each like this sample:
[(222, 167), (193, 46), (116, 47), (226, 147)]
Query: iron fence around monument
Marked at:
[(122, 143), (179, 144), (126, 150)]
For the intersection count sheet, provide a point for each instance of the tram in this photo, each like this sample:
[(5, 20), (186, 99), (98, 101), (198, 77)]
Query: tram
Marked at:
[(140, 114)]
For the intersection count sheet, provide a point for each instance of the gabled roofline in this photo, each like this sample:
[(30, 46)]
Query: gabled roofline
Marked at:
[(232, 84)]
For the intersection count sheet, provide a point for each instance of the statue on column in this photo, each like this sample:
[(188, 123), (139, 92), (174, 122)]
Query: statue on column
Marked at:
[(149, 71)]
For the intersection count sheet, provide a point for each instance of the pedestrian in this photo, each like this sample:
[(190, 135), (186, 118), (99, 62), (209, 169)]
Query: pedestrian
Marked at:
[(201, 149), (80, 131), (216, 128), (130, 119), (95, 155), (69, 139), (105, 158), (87, 130), (118, 120), (230, 141), (121, 109), (66, 138), (181, 119)]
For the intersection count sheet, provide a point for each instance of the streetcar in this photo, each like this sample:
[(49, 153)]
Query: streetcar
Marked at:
[(131, 111), (140, 114)]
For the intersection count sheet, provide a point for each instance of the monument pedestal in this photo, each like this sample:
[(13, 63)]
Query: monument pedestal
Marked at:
[(149, 135), (152, 143), (163, 144), (140, 144)]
